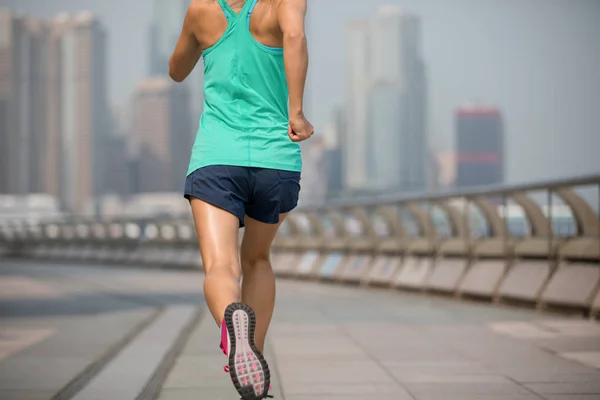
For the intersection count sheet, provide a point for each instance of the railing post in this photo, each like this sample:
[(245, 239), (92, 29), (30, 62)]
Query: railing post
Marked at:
[(468, 226), (598, 217), (551, 223), (506, 232)]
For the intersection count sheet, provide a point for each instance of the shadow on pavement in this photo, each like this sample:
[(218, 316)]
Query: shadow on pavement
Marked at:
[(95, 303)]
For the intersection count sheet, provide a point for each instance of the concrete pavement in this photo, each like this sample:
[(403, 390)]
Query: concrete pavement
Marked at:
[(110, 333)]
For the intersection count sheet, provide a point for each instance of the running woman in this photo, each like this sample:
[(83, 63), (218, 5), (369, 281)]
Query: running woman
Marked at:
[(246, 162)]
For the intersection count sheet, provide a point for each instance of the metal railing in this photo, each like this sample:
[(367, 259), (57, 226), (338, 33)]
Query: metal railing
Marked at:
[(462, 223), (537, 243)]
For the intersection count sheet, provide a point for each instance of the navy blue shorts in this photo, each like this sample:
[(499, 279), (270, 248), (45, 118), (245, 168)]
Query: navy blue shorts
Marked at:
[(260, 193)]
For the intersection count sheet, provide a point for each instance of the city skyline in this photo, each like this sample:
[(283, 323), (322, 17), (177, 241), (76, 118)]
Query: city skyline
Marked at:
[(524, 57), (535, 148), (60, 136)]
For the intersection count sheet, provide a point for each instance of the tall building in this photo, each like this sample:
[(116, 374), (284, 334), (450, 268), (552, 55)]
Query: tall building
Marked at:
[(37, 71), (53, 113), (314, 187), (357, 84), (118, 174), (387, 138), (79, 116), (161, 131), (22, 103), (479, 146), (434, 170), (335, 144)]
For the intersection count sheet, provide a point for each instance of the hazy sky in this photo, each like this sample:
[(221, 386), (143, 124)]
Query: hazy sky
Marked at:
[(538, 60)]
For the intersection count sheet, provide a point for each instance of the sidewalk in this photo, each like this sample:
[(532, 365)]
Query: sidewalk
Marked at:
[(99, 333), (335, 343)]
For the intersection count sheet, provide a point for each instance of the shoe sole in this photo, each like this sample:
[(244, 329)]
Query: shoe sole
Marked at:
[(247, 366)]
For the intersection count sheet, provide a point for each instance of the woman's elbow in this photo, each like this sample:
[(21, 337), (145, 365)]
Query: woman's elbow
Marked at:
[(173, 73)]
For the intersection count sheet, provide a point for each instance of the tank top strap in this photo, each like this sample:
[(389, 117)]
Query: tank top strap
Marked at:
[(250, 9), (226, 9), (231, 14)]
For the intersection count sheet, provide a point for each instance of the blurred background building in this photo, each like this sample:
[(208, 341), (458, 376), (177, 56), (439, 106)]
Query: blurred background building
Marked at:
[(386, 146), (480, 146), (54, 107), (162, 133)]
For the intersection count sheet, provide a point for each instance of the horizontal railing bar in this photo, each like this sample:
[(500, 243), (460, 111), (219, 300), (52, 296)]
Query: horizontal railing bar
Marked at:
[(363, 201), (492, 190)]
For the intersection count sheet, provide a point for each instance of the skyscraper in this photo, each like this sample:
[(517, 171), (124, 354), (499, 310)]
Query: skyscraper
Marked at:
[(53, 111), (387, 142), (335, 144), (39, 100), (161, 131), (314, 184), (79, 117), (20, 101), (26, 157), (357, 83), (480, 146), (118, 174)]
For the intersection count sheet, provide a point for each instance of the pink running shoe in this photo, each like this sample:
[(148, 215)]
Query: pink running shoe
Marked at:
[(247, 367)]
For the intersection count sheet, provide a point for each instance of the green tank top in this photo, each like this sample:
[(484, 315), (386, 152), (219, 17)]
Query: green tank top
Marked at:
[(245, 119)]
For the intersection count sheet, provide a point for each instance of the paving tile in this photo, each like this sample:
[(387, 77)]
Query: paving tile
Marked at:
[(18, 288), (13, 340), (457, 331), (440, 367), (293, 361), (449, 378), (306, 347), (204, 340), (348, 389), (334, 372), (571, 344), (414, 355), (442, 389), (198, 372), (25, 395), (87, 336), (543, 377), (577, 328), (589, 358), (51, 373), (212, 393), (287, 329), (384, 396), (560, 367), (477, 396), (566, 388), (107, 393), (524, 330)]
